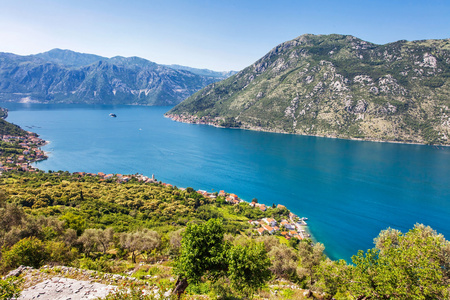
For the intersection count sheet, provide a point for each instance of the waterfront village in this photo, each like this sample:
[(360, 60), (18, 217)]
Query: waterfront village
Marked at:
[(21, 152), (26, 150)]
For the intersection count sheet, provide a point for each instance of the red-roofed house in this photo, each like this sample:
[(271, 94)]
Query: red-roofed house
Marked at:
[(268, 228), (270, 221), (234, 196)]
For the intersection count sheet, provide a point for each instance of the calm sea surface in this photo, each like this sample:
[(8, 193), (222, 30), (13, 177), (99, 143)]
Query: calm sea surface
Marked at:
[(349, 190)]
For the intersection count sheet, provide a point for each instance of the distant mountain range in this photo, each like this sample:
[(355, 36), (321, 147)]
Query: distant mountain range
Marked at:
[(336, 86), (64, 76)]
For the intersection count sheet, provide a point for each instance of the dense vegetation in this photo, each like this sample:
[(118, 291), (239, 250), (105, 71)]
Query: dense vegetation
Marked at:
[(7, 128), (88, 222), (336, 86)]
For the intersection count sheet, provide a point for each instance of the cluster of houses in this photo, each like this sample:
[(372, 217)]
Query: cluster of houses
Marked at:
[(30, 153), (292, 228), (286, 228)]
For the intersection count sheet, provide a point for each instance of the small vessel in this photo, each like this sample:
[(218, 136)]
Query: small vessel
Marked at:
[(112, 115)]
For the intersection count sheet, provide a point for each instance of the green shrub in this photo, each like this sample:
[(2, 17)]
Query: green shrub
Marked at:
[(28, 251), (10, 288)]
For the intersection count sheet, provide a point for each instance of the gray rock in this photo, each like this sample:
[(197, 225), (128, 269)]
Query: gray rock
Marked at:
[(17, 272), (59, 288)]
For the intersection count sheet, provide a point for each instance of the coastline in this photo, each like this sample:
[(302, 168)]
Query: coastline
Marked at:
[(195, 120), (293, 226)]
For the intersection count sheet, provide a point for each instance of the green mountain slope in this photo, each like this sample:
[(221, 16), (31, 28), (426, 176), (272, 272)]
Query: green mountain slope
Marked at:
[(336, 86), (7, 128)]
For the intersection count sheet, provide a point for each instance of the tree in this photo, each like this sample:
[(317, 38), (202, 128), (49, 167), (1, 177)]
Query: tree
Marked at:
[(139, 241), (175, 238), (93, 239), (28, 252), (248, 268), (284, 261), (202, 251), (205, 253), (333, 277), (310, 255), (414, 265), (75, 222)]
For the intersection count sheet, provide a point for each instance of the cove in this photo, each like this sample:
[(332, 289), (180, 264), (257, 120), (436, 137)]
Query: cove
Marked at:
[(349, 190)]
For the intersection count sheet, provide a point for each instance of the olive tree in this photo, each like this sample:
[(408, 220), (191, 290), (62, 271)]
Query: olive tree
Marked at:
[(284, 261), (310, 255), (94, 239), (414, 265), (139, 241)]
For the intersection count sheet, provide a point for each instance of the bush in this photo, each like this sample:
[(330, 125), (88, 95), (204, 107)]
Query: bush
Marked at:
[(28, 252), (9, 288)]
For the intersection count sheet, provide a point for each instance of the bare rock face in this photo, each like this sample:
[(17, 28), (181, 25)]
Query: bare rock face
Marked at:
[(65, 288), (17, 272)]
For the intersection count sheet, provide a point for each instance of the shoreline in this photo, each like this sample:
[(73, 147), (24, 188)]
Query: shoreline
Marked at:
[(181, 119), (30, 145)]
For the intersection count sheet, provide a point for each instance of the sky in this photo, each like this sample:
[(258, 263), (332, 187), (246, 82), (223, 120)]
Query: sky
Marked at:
[(220, 35)]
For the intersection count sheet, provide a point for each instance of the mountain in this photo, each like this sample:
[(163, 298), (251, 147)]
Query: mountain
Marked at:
[(336, 86), (64, 76), (204, 72), (69, 58)]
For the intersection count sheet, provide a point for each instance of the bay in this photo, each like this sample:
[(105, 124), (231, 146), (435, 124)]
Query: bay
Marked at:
[(349, 190)]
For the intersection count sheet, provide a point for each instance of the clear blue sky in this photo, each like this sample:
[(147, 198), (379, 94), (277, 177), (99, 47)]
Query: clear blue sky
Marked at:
[(217, 34)]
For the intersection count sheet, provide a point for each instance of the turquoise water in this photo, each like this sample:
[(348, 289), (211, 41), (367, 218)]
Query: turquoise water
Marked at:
[(349, 190)]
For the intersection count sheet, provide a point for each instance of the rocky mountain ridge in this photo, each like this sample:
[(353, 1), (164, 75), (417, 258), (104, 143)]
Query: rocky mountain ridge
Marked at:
[(64, 76), (336, 86)]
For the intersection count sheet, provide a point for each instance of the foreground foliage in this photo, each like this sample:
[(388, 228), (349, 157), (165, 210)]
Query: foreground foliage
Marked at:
[(204, 252), (10, 288), (124, 228)]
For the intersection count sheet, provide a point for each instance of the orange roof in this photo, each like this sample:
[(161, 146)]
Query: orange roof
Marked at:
[(267, 227)]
